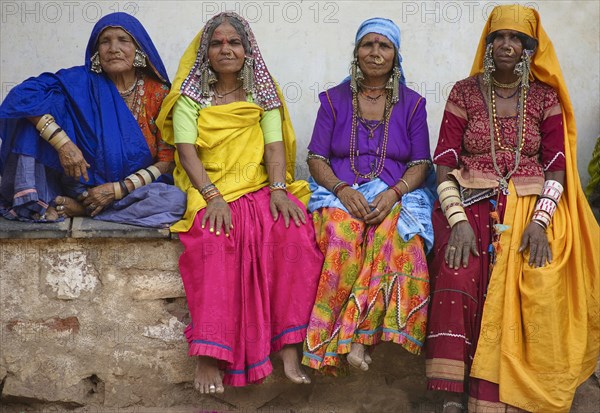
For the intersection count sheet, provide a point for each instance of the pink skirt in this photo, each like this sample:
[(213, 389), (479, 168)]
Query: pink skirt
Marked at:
[(251, 293)]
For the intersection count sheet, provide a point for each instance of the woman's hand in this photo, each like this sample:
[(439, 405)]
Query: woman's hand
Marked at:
[(381, 207), (95, 199), (461, 243), (536, 239), (354, 202), (281, 204), (218, 214), (72, 161)]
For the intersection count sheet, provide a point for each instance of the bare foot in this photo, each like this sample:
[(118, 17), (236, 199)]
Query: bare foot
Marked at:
[(291, 365), (208, 377), (50, 215), (368, 358), (356, 357), (69, 207)]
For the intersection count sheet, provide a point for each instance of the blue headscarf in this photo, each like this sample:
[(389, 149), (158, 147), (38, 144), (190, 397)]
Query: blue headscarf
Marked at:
[(88, 107), (387, 28)]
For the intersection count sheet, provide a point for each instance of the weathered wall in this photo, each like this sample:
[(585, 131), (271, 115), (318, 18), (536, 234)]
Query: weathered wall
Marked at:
[(96, 325)]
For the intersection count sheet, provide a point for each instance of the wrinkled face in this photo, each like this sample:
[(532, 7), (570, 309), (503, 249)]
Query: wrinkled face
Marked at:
[(117, 50), (225, 50), (506, 49), (375, 55)]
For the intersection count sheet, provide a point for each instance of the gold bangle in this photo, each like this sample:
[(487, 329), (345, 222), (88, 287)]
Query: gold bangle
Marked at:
[(47, 118), (145, 175), (47, 132), (60, 140), (117, 190), (456, 218), (405, 183)]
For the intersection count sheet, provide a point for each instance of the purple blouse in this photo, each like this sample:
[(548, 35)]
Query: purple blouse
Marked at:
[(408, 136)]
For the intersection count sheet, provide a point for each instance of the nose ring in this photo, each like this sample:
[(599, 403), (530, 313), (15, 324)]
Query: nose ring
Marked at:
[(511, 51), (378, 60)]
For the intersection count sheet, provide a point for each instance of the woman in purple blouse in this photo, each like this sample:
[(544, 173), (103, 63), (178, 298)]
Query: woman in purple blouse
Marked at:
[(369, 159)]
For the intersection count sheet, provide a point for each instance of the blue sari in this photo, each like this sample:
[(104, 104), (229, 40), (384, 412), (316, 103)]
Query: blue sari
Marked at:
[(88, 107)]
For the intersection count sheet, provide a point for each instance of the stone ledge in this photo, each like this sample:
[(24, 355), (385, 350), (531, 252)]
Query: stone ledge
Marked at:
[(77, 228)]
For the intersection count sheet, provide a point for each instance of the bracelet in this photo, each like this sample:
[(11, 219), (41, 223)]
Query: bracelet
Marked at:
[(118, 191), (456, 218), (454, 209), (397, 191), (145, 176), (135, 180), (540, 223), (405, 183), (276, 186), (337, 186), (154, 171), (212, 196), (49, 130), (44, 120), (59, 140), (124, 189)]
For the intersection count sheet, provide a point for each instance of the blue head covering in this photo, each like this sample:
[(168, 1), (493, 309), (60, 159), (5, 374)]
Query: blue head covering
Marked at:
[(87, 106), (387, 28), (135, 29)]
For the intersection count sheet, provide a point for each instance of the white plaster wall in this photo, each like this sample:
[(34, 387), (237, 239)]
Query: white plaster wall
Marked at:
[(307, 45)]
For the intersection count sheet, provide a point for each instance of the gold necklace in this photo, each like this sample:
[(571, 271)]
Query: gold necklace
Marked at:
[(507, 85), (497, 129), (371, 99), (521, 113)]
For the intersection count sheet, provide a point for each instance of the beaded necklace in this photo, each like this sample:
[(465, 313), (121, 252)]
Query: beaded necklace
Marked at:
[(496, 138), (382, 151), (134, 100)]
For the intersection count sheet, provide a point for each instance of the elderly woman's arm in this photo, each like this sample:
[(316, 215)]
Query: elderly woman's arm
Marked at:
[(353, 200), (535, 238), (218, 213), (70, 157), (280, 203)]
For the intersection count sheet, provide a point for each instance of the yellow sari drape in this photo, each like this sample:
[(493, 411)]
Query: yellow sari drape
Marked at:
[(540, 334), (230, 145)]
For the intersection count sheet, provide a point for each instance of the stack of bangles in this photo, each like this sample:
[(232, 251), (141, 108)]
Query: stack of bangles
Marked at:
[(451, 203), (398, 191), (142, 177), (338, 187), (278, 186), (209, 192), (547, 204), (51, 132)]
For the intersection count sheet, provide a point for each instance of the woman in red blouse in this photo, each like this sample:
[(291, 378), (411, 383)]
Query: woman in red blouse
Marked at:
[(513, 273)]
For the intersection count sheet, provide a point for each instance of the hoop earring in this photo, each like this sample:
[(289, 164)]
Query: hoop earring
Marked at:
[(523, 68), (95, 60), (356, 75), (247, 75), (488, 64), (139, 60)]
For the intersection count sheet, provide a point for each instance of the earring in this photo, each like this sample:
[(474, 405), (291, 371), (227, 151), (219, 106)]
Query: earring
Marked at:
[(393, 83), (95, 60), (247, 74), (139, 59), (207, 78), (488, 64), (356, 75), (523, 68)]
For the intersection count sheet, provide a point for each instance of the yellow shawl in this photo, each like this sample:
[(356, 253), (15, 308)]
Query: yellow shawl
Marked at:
[(230, 146), (540, 334)]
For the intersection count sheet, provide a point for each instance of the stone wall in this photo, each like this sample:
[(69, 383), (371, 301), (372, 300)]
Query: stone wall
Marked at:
[(92, 321)]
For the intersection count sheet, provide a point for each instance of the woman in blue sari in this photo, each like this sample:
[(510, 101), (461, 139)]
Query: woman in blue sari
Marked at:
[(76, 141)]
